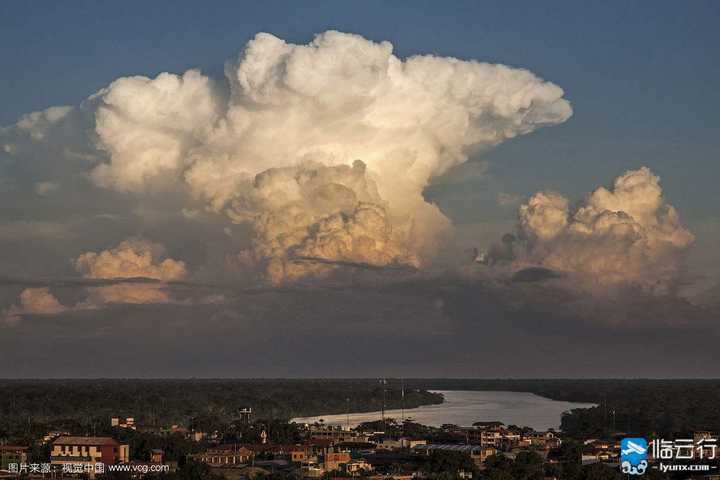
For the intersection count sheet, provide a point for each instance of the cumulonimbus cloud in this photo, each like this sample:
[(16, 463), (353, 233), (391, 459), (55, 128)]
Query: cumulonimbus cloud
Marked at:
[(286, 135), (626, 234), (338, 99)]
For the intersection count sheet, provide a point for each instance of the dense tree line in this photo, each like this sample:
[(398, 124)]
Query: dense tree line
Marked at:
[(30, 408)]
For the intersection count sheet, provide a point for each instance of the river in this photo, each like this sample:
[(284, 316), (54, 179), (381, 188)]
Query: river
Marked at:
[(466, 407)]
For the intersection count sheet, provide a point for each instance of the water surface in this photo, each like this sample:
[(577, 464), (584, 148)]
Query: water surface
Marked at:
[(466, 407)]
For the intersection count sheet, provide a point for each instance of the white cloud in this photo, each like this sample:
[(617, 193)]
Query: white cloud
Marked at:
[(33, 301), (627, 234), (338, 99), (131, 258)]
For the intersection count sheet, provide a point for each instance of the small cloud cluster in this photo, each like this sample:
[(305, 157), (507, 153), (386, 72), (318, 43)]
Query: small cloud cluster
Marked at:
[(134, 258), (37, 124), (33, 301), (627, 234)]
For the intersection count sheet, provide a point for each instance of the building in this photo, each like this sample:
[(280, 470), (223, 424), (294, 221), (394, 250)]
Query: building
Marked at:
[(335, 460), (545, 440), (118, 422), (156, 455), (600, 451), (301, 454), (88, 451), (224, 456), (358, 467), (332, 433), (484, 425), (12, 454), (477, 453), (394, 444), (492, 434), (52, 435), (245, 415)]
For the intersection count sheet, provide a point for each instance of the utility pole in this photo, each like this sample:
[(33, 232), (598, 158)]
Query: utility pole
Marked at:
[(402, 404), (383, 403), (604, 404), (347, 414)]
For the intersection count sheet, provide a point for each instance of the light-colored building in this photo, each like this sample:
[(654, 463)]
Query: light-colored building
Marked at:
[(334, 434), (225, 456), (301, 454), (546, 440), (156, 455), (356, 468), (490, 434), (397, 443), (118, 422), (52, 435), (88, 451)]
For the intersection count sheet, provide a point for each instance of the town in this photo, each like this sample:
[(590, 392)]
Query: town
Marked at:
[(248, 449), (387, 449)]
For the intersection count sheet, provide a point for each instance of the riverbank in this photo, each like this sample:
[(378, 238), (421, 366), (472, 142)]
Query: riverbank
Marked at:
[(464, 408)]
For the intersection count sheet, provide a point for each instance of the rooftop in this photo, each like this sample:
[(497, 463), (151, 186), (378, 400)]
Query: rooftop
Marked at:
[(12, 448), (92, 441), (452, 447)]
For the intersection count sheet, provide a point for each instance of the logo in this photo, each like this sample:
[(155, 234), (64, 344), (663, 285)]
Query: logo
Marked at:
[(633, 456)]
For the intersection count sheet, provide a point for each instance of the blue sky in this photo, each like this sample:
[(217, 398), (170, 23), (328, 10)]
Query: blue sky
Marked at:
[(642, 76)]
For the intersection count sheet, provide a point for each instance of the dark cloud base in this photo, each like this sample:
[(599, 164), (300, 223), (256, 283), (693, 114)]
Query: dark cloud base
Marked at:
[(442, 326)]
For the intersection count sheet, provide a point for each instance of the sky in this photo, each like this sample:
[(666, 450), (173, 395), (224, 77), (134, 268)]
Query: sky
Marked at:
[(359, 189)]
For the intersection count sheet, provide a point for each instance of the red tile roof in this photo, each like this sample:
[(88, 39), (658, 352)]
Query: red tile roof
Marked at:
[(12, 448), (87, 441)]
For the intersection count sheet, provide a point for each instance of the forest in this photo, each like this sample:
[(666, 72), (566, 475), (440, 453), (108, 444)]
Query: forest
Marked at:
[(30, 408)]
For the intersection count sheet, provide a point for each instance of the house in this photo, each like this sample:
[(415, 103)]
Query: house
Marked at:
[(394, 444), (356, 468), (156, 455), (301, 454), (598, 451), (544, 440), (477, 453), (12, 454), (484, 425), (335, 460), (334, 434), (412, 442), (88, 451), (118, 422), (224, 455), (52, 435), (492, 434)]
